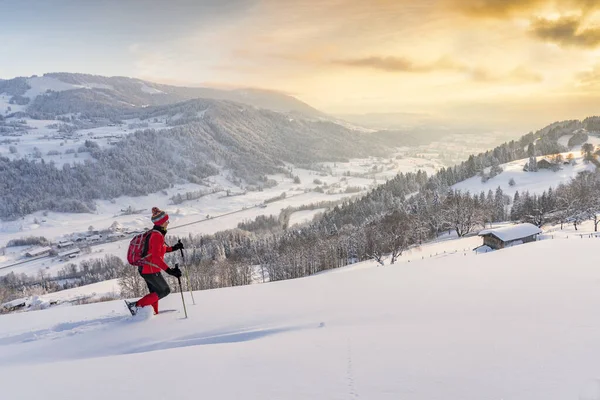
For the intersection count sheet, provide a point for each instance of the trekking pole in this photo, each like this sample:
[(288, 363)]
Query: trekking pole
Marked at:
[(187, 275), (181, 291)]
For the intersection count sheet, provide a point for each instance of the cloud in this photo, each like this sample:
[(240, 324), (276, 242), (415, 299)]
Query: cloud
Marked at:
[(566, 31), (495, 8), (504, 8), (402, 64), (519, 75), (524, 75), (590, 78)]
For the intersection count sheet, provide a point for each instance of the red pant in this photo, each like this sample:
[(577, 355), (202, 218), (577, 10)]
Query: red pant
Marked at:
[(158, 288)]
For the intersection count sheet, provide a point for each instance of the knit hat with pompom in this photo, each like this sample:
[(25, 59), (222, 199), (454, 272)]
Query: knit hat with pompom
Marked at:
[(159, 217)]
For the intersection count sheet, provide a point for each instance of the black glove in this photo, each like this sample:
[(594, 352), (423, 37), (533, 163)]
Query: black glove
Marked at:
[(177, 246), (176, 272)]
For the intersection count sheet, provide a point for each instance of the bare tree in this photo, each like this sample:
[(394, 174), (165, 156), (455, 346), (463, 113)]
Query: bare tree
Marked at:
[(375, 243), (585, 188), (399, 232), (460, 213), (131, 283)]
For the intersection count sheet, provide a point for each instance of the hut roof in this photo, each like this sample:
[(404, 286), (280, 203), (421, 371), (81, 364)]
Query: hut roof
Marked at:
[(514, 232)]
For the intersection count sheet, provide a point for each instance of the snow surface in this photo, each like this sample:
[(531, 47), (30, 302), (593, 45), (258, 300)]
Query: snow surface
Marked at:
[(40, 84), (301, 217), (5, 104), (63, 148), (564, 140), (100, 289), (516, 324), (534, 182), (89, 293), (514, 232), (391, 166), (147, 89)]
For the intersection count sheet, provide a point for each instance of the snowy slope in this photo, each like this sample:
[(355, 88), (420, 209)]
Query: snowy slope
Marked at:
[(54, 146), (517, 324), (100, 289), (147, 89), (301, 217), (7, 108), (93, 293), (40, 84), (534, 182), (564, 141)]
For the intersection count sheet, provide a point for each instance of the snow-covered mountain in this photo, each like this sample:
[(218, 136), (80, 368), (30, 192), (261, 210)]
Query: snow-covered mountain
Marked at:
[(90, 129), (21, 93), (516, 324)]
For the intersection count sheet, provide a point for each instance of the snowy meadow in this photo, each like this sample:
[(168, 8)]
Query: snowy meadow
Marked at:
[(486, 326)]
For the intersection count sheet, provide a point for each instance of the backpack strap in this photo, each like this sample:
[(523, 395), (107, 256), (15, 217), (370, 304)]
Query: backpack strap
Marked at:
[(144, 253)]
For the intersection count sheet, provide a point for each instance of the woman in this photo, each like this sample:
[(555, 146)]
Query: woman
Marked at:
[(154, 263)]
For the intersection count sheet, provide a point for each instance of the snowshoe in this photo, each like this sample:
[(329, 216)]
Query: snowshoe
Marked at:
[(133, 309)]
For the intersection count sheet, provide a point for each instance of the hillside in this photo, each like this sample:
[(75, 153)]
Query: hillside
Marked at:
[(526, 181), (83, 90), (190, 141), (427, 200), (487, 326)]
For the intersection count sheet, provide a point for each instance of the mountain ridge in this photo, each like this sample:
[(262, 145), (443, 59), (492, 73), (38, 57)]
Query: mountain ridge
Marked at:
[(139, 93)]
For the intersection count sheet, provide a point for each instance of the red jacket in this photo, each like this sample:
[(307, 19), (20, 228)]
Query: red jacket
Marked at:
[(154, 261)]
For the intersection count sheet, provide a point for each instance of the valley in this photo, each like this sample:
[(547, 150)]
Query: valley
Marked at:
[(221, 199)]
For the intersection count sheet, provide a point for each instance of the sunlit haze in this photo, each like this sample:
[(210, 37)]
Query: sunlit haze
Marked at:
[(517, 63)]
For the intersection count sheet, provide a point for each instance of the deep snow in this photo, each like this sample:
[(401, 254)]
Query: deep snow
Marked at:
[(516, 324)]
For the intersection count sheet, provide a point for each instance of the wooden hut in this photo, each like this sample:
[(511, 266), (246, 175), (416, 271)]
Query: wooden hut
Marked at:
[(499, 238)]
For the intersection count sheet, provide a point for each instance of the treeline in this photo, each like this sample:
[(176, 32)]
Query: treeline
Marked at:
[(573, 203), (13, 286), (28, 241), (239, 257)]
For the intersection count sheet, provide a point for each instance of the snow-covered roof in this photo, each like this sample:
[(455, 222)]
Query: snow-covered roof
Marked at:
[(514, 232), (68, 252), (38, 250)]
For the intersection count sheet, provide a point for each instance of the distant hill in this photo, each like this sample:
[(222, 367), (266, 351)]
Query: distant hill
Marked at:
[(202, 137), (133, 92)]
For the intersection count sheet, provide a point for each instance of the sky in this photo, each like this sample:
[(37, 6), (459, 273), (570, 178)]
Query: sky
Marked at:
[(496, 60)]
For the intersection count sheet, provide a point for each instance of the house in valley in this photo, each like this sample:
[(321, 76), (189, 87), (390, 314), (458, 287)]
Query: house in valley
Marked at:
[(38, 251)]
